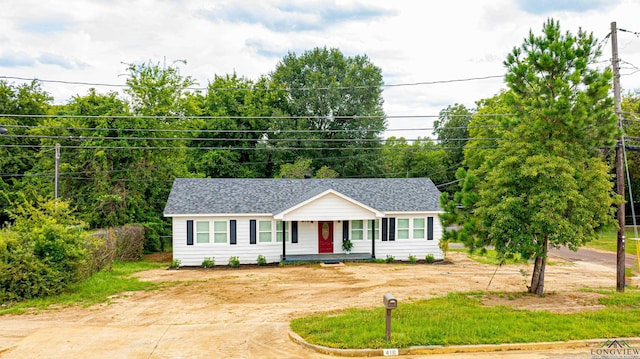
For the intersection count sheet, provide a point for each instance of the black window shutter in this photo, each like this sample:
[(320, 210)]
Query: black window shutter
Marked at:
[(232, 231), (430, 228), (385, 225), (252, 231), (294, 232), (345, 230), (392, 229), (189, 232)]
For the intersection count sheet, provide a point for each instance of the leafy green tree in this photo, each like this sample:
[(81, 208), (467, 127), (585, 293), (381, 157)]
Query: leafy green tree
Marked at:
[(299, 169), (161, 101), (336, 107), (396, 156), (453, 134), (159, 90), (428, 161), (230, 144), (422, 158), (326, 172), (486, 127), (18, 153), (98, 166), (546, 184), (303, 167), (631, 114)]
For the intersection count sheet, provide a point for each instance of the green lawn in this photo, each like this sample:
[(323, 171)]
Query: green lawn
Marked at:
[(461, 319), (608, 240), (489, 256), (96, 289)]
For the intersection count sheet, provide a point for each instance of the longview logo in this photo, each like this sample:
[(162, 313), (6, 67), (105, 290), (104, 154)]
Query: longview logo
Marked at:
[(617, 348)]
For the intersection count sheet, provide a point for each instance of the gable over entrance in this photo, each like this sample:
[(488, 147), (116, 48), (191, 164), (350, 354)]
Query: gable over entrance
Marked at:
[(328, 205)]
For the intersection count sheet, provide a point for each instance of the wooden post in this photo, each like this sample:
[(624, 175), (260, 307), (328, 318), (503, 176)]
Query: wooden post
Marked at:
[(620, 257), (388, 328), (57, 172)]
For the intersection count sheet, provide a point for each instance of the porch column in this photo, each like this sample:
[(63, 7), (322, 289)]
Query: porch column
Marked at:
[(284, 240), (373, 238)]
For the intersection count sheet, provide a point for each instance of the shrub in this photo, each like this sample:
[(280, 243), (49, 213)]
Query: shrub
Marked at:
[(130, 241), (429, 258), (175, 264), (390, 258), (208, 262), (43, 253), (123, 244), (234, 262), (152, 240), (262, 261), (443, 244), (22, 274), (412, 258)]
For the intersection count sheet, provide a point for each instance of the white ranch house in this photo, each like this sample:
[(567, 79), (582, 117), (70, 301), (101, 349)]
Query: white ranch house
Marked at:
[(303, 219)]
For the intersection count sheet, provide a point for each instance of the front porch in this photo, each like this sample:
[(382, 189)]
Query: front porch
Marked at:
[(327, 257)]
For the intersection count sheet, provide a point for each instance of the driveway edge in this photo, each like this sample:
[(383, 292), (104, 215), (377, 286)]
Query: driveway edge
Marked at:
[(452, 349)]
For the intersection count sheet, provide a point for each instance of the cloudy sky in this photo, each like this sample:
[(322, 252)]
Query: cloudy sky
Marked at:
[(425, 43)]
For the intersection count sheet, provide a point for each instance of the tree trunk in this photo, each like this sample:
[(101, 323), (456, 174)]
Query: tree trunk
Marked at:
[(537, 280)]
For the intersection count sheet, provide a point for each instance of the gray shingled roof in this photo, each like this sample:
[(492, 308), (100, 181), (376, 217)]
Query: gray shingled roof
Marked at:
[(247, 195)]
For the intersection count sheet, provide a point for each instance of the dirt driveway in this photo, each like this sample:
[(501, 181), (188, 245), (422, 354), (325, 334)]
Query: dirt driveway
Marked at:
[(245, 313)]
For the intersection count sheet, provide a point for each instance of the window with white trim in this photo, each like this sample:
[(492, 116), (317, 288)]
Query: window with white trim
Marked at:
[(202, 232), (370, 230), (357, 230), (265, 234), (402, 228), (418, 228), (220, 232), (279, 232)]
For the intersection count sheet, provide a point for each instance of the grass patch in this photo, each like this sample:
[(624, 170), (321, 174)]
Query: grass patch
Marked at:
[(461, 319), (96, 289), (489, 256), (608, 241)]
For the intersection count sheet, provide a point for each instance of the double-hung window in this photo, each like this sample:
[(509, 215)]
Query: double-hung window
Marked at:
[(202, 232), (371, 230), (220, 232), (357, 230), (279, 227), (418, 228), (402, 227), (265, 233)]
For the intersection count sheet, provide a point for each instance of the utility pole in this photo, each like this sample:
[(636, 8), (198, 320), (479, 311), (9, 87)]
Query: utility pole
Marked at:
[(615, 65), (57, 175)]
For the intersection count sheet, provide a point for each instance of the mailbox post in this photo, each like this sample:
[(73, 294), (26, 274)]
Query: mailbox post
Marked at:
[(390, 303)]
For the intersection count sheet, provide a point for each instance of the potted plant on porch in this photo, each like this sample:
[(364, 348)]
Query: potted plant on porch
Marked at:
[(347, 245)]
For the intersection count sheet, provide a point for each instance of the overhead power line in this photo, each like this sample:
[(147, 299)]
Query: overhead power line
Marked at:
[(229, 139), (194, 117), (197, 88), (209, 148), (200, 131)]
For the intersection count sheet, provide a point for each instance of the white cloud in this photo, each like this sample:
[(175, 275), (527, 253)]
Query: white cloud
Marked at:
[(291, 16), (545, 6), (411, 41)]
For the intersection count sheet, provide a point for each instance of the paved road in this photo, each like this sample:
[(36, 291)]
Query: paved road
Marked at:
[(594, 256), (585, 254)]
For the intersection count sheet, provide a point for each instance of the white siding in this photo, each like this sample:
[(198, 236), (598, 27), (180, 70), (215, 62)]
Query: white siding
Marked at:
[(400, 249), (329, 207)]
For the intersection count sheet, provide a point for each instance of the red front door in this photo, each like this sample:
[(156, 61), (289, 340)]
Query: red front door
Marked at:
[(325, 237)]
